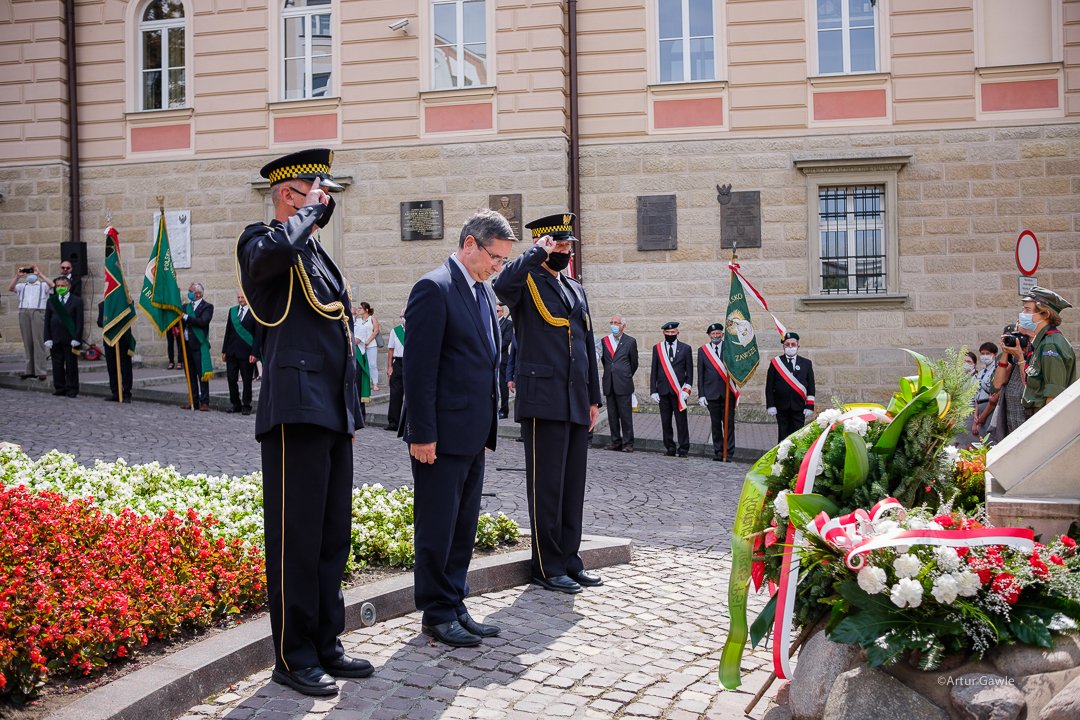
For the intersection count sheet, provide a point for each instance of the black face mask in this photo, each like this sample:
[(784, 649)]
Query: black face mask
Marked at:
[(558, 261), (671, 338)]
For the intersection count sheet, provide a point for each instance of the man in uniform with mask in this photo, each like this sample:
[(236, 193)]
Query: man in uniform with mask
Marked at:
[(718, 393), (789, 388), (558, 397), (670, 380)]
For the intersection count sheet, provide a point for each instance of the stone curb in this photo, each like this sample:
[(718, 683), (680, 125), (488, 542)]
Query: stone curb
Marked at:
[(169, 687)]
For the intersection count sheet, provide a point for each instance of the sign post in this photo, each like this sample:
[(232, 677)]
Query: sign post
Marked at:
[(1027, 261)]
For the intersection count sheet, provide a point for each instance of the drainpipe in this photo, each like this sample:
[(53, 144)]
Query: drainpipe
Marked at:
[(574, 185), (73, 122)]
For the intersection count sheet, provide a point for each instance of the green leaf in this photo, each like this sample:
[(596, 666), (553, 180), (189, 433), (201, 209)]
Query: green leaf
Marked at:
[(763, 623), (804, 507), (865, 627), (932, 655), (856, 463), (1030, 629), (890, 437)]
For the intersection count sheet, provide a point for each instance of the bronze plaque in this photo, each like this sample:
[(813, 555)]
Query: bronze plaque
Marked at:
[(740, 220), (657, 225), (509, 206), (422, 220)]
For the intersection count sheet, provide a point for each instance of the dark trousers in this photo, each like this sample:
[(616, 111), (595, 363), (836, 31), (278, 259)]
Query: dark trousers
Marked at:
[(620, 419), (307, 493), (555, 455), (721, 423), (446, 508), (504, 391), (397, 395), (669, 405), (787, 423), (65, 369), (200, 389), (237, 369), (172, 344), (125, 367)]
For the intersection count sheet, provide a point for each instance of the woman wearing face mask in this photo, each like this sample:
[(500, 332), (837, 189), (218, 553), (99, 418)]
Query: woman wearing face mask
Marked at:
[(987, 398), (1051, 365)]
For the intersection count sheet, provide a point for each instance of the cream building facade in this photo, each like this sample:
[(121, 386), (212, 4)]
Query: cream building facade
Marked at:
[(898, 149)]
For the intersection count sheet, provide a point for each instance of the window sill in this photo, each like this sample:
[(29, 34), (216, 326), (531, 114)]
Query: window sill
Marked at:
[(303, 105), (453, 95), (688, 88), (1037, 70), (154, 117), (859, 79), (854, 302)]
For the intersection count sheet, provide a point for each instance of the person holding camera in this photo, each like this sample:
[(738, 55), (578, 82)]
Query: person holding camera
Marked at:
[(1050, 366), (33, 290)]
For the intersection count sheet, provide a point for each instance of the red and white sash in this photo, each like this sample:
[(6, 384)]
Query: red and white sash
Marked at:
[(609, 345), (718, 365), (791, 380), (669, 371)]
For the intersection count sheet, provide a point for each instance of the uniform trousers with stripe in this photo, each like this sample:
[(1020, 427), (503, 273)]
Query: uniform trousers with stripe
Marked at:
[(555, 460), (787, 423), (307, 498)]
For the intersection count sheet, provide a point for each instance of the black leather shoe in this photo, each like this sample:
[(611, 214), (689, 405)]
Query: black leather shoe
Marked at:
[(503, 414), (669, 453), (308, 681), (233, 410), (477, 628), (452, 634), (127, 399), (112, 398), (348, 667), (613, 446), (59, 392), (682, 456), (246, 411), (559, 583), (585, 578), (628, 448)]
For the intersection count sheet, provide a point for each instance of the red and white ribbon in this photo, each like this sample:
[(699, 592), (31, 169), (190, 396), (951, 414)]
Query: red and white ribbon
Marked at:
[(759, 297), (669, 373), (1022, 539)]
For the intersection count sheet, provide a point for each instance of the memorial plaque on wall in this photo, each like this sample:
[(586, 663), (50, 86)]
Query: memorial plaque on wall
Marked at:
[(422, 220), (656, 222), (740, 220), (509, 206)]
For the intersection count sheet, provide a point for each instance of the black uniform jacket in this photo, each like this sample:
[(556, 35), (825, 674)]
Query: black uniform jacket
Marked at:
[(683, 366), (619, 370), (54, 326), (233, 346), (780, 395), (451, 369), (300, 297), (710, 384), (557, 376)]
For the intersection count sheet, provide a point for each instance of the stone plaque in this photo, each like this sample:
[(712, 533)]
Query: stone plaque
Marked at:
[(740, 220), (509, 206), (422, 220), (656, 222)]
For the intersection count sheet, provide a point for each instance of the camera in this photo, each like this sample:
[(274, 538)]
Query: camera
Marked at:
[(27, 270), (1011, 338), (400, 25)]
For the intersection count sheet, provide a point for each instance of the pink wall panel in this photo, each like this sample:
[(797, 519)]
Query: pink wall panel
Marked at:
[(702, 112), (849, 105), (296, 128), (161, 137), (1020, 95), (456, 118)]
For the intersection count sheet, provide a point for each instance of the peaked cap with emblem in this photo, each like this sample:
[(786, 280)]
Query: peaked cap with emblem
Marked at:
[(1048, 298), (560, 227), (714, 327), (302, 165), (789, 336), (670, 325)]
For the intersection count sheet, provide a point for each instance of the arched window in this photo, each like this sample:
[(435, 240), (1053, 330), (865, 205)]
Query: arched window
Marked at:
[(308, 57), (162, 71)]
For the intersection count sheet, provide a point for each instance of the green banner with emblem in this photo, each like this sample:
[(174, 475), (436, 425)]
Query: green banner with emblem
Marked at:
[(740, 350)]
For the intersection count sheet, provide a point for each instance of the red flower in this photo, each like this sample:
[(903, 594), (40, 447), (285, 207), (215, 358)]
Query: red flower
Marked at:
[(945, 521), (1007, 587), (1057, 560), (1038, 567)]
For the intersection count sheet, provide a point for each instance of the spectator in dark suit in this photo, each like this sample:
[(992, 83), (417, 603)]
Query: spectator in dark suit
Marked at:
[(63, 336), (196, 328), (619, 358), (718, 393), (451, 394), (239, 350), (506, 331), (120, 379), (670, 380)]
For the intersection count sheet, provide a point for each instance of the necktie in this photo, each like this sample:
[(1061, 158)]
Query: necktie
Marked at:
[(485, 312), (241, 315), (716, 350), (671, 352)]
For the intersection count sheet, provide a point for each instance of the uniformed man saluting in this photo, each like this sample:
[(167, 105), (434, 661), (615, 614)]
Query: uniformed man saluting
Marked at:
[(558, 397), (308, 410)]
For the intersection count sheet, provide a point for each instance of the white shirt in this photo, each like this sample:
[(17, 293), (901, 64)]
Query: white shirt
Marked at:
[(397, 347), (32, 296), (472, 281), (363, 329)]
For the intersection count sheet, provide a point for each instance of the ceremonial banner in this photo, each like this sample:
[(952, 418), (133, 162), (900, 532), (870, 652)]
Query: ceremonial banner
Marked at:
[(118, 312), (160, 298), (740, 351)]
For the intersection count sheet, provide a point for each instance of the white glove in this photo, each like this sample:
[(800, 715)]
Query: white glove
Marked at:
[(772, 412), (684, 395), (807, 412), (702, 402), (75, 343), (48, 344), (187, 318), (655, 397)]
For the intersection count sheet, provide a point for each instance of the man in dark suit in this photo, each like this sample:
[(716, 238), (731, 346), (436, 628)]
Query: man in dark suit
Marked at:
[(789, 388), (74, 281), (558, 397), (451, 408), (239, 350), (308, 410), (63, 336), (670, 380), (506, 331), (718, 393), (619, 357), (196, 328), (119, 378)]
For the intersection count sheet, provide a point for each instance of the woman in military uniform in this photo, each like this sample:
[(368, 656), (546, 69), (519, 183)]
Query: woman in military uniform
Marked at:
[(1051, 366)]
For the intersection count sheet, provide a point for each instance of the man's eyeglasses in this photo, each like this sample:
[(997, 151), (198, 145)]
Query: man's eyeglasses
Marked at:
[(499, 259)]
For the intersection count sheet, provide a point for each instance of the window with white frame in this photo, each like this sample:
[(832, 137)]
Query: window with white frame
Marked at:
[(162, 71), (847, 37), (851, 228), (687, 41), (308, 49), (459, 44)]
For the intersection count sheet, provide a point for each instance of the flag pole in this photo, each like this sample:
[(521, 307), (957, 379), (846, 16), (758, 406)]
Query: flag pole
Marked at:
[(183, 340), (119, 375), (727, 380)]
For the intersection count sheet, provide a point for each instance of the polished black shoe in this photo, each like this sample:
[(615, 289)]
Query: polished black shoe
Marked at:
[(59, 392), (72, 393), (613, 446), (391, 428), (233, 410), (585, 578), (477, 628), (113, 398), (669, 453), (718, 458), (683, 456), (503, 414), (452, 634), (308, 681), (246, 411), (127, 399), (559, 583), (348, 667), (628, 448)]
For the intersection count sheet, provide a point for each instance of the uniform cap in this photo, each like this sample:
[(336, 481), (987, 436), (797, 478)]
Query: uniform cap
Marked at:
[(714, 326), (302, 165), (1047, 297), (790, 336), (670, 326), (560, 227)]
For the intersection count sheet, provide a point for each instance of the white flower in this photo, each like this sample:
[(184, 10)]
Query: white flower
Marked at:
[(951, 453), (777, 469), (946, 558), (945, 589), (872, 579), (906, 593), (820, 469), (968, 583), (784, 449), (906, 566), (856, 426), (780, 504), (884, 526), (827, 418)]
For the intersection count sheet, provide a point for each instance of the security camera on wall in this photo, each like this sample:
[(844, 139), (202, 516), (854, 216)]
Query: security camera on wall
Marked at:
[(400, 24)]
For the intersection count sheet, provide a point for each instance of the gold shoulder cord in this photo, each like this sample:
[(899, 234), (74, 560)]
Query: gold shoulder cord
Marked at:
[(336, 307), (534, 292), (240, 282)]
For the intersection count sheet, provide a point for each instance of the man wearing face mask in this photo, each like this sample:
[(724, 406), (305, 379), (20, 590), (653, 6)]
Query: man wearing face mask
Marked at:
[(717, 392), (74, 281), (32, 289), (1051, 365), (558, 397), (619, 358), (63, 333), (789, 388), (196, 327), (669, 379)]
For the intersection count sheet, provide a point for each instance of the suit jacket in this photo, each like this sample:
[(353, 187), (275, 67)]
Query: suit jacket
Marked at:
[(451, 372), (233, 346), (201, 319), (619, 369), (506, 330), (710, 385), (780, 395), (683, 366), (300, 297), (54, 327), (557, 376)]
